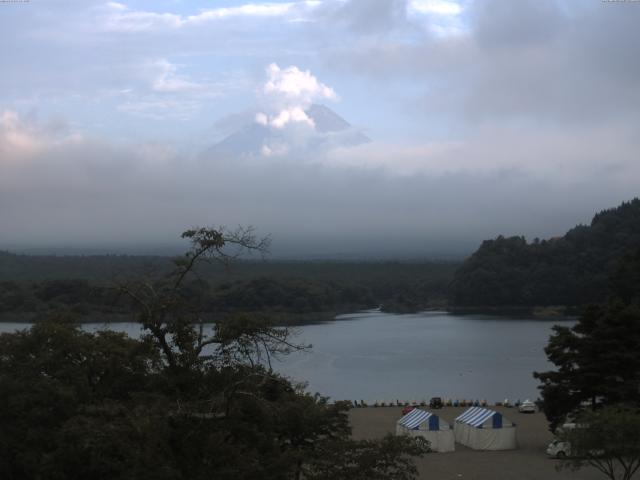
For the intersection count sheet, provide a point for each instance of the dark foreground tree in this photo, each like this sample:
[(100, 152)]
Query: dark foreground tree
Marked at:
[(182, 402), (598, 359), (608, 440)]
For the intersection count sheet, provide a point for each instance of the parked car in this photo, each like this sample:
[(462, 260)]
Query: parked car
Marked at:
[(527, 407), (436, 402), (559, 449)]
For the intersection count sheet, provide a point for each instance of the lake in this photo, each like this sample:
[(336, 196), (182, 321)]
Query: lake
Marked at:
[(380, 356)]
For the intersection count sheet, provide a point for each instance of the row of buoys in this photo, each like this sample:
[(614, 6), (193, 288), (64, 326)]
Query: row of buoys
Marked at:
[(446, 402)]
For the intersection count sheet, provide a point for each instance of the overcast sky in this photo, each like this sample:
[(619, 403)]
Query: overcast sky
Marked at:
[(486, 117)]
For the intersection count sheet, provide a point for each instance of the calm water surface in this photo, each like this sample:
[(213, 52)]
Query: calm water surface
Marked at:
[(379, 356)]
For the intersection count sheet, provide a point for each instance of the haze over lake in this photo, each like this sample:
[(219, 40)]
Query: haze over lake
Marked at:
[(379, 356)]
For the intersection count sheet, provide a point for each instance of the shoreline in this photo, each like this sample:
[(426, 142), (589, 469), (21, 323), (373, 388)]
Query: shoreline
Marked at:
[(292, 319), (549, 312)]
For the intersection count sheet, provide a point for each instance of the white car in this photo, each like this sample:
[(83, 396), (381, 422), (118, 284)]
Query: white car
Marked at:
[(559, 449), (527, 407)]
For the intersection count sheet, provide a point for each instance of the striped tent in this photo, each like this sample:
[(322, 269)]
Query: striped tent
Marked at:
[(483, 429), (420, 423)]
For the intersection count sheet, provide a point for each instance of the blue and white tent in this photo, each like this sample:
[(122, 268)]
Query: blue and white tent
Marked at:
[(420, 423), (483, 429)]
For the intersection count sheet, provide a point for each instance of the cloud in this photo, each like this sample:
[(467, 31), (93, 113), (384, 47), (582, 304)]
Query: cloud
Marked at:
[(295, 85), (501, 23), (439, 7), (359, 16), (15, 137), (285, 96), (481, 110), (169, 81), (545, 155), (442, 18), (291, 115), (369, 17), (160, 108), (287, 93), (22, 138), (164, 93), (407, 21), (405, 203), (120, 18), (538, 63)]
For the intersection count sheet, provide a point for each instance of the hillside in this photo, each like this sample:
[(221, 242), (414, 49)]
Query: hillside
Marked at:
[(570, 270)]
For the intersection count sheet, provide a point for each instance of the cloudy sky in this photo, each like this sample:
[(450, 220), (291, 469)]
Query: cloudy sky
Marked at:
[(486, 117)]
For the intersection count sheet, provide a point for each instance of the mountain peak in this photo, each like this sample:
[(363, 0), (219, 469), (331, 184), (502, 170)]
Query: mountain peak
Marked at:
[(326, 120), (330, 130)]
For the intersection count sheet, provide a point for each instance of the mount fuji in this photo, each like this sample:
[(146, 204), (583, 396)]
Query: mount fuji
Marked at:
[(329, 131)]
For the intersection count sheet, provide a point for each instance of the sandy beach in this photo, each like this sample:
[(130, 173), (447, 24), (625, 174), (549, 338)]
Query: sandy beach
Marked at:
[(528, 462)]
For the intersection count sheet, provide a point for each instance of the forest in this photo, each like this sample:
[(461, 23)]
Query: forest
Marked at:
[(293, 291), (571, 270)]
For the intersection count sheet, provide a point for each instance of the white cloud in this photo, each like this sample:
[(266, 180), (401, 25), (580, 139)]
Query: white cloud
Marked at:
[(286, 95), (291, 115), (438, 7), (296, 85), (169, 81), (115, 6), (21, 138), (248, 10), (284, 117), (163, 93), (120, 17), (160, 108), (15, 136), (261, 119), (443, 18), (274, 149), (546, 155)]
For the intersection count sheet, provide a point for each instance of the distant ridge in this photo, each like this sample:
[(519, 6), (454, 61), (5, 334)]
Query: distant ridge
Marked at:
[(568, 270)]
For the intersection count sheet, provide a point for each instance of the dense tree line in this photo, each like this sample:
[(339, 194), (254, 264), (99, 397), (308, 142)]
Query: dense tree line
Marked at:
[(570, 270), (96, 268), (261, 294), (100, 269), (265, 295), (288, 288)]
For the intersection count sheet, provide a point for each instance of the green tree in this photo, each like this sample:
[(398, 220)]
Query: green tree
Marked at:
[(608, 440), (597, 360), (392, 457), (571, 270), (55, 379)]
